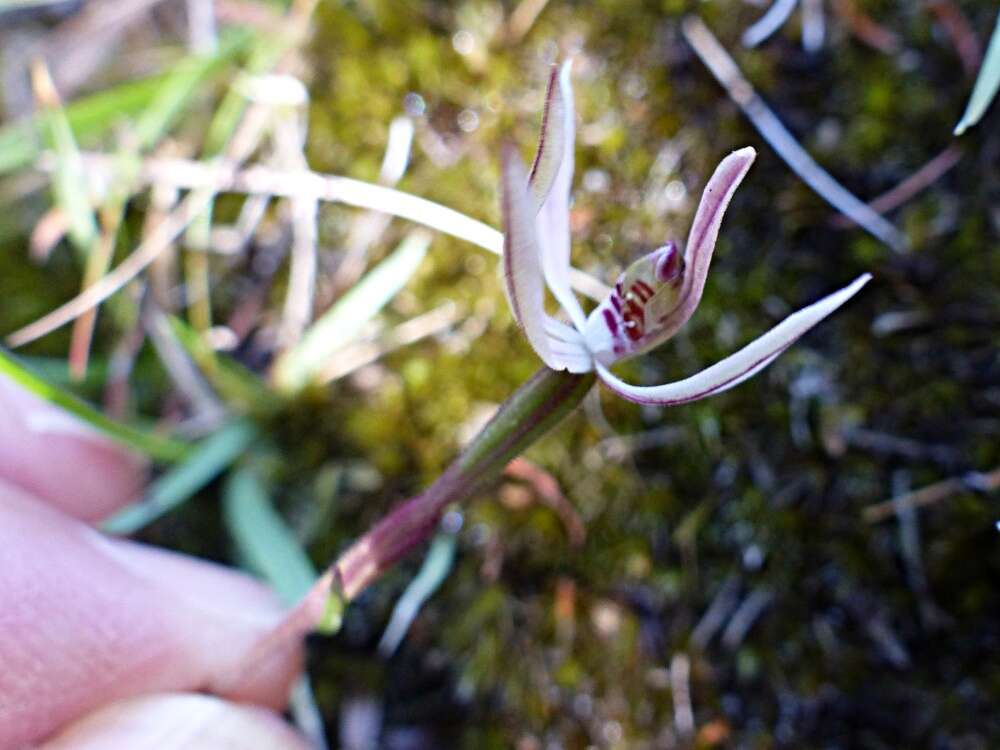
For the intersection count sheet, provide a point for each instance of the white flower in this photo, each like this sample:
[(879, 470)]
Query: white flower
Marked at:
[(653, 298)]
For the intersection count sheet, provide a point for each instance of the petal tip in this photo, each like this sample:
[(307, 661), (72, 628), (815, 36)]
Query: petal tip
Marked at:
[(855, 286)]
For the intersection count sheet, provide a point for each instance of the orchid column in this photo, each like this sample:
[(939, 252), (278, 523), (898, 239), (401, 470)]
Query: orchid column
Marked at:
[(649, 303)]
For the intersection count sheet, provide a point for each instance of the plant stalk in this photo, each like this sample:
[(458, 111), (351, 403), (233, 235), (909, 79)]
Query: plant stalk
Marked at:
[(533, 410)]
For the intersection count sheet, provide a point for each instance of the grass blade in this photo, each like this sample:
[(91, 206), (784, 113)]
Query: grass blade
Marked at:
[(206, 461), (180, 84), (92, 116), (986, 87), (239, 387), (89, 117), (727, 73), (69, 182), (154, 446), (265, 543), (345, 319), (435, 569)]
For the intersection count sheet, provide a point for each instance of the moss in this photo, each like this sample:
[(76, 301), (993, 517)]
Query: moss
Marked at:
[(762, 485)]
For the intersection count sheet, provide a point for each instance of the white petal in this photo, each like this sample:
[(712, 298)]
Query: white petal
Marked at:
[(574, 355), (736, 368), (554, 165), (522, 269), (701, 243), (559, 330), (551, 146)]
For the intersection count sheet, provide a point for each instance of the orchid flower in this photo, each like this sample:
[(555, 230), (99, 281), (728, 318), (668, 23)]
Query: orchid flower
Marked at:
[(648, 304), (650, 301)]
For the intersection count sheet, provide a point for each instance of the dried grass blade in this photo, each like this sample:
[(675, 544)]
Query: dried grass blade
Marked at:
[(726, 72)]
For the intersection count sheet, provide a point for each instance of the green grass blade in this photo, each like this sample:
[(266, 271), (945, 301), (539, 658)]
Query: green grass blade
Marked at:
[(181, 84), (239, 387), (92, 116), (264, 55), (69, 182), (154, 446), (340, 324), (207, 460), (265, 543), (55, 371), (89, 117), (987, 84)]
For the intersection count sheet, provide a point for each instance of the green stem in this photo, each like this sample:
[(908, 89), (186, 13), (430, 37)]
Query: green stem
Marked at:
[(533, 410)]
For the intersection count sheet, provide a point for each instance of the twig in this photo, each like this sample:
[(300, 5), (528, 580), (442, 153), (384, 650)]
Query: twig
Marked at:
[(163, 270), (866, 29), (893, 445), (721, 607), (745, 617), (205, 405), (233, 239), (873, 619), (523, 18), (617, 447), (290, 141), (768, 23), (934, 493), (120, 364), (547, 489), (355, 356), (911, 553), (367, 228), (247, 13), (97, 264), (923, 178), (775, 133), (957, 27), (680, 690), (47, 233), (813, 25), (261, 180), (159, 240)]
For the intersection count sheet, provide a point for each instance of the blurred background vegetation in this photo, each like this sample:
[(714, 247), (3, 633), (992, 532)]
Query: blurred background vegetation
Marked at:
[(730, 589)]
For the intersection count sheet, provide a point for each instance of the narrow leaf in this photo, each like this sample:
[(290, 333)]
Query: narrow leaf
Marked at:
[(92, 116), (238, 386), (154, 446), (341, 324), (987, 84), (207, 460), (89, 118), (181, 84), (726, 72), (266, 545), (437, 565), (69, 184)]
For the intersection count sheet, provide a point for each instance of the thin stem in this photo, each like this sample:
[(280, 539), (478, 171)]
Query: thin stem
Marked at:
[(533, 410)]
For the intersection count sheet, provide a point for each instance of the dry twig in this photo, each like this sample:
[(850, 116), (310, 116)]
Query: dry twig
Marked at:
[(726, 72), (934, 493), (923, 178)]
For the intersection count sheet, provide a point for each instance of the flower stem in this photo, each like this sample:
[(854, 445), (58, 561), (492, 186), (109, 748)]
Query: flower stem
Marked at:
[(529, 413)]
